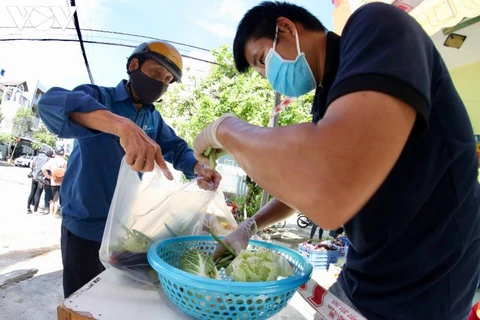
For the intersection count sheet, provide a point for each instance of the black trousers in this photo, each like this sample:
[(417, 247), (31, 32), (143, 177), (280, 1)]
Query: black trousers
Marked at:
[(48, 196), (312, 232), (81, 262), (35, 194)]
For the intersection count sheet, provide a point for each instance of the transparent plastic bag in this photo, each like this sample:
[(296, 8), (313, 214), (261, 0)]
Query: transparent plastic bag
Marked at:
[(150, 208)]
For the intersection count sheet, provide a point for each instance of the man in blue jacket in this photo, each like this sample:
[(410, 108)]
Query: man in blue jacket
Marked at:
[(109, 123)]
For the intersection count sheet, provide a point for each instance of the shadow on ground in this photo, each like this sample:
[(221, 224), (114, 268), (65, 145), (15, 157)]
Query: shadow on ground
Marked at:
[(15, 256), (33, 299)]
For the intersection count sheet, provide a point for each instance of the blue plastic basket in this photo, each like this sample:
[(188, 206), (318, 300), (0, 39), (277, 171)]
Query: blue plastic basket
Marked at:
[(205, 298), (342, 251), (344, 240), (319, 259)]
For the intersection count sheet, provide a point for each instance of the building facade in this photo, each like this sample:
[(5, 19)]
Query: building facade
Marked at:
[(13, 98)]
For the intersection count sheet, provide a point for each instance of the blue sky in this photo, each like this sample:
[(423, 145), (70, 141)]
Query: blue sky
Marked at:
[(203, 23)]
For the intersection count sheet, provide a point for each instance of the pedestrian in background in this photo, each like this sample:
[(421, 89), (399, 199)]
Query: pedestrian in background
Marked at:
[(54, 170), (312, 233), (38, 178)]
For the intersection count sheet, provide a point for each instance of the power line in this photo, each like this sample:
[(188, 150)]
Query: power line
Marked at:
[(98, 42), (121, 33), (82, 46), (113, 39)]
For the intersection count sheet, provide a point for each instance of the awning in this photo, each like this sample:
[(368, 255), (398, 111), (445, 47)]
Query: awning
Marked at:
[(433, 15)]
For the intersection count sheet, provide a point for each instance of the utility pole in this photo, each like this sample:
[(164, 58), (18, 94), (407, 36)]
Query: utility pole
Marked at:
[(265, 194)]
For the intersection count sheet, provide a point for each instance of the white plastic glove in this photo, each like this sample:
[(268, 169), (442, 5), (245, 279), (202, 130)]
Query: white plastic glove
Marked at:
[(208, 139), (238, 238)]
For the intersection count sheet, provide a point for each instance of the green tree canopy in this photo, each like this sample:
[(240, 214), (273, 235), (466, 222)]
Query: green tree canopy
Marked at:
[(23, 122), (224, 90), (6, 138), (43, 136)]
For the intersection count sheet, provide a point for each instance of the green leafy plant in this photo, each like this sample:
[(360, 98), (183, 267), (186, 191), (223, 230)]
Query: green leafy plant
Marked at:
[(43, 136), (7, 138), (259, 265), (200, 264)]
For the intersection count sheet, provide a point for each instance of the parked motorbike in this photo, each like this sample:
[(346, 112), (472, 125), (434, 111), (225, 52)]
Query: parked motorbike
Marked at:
[(303, 221)]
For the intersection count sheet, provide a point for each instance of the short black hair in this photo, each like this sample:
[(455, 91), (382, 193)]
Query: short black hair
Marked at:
[(260, 22)]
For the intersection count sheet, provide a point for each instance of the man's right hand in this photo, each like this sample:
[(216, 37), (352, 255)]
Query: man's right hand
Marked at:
[(141, 151)]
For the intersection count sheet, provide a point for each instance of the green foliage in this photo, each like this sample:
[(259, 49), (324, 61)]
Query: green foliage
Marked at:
[(224, 90), (6, 138), (43, 136), (23, 122)]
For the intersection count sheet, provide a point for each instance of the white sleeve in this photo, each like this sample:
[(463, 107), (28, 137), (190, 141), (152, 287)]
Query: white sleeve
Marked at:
[(48, 165)]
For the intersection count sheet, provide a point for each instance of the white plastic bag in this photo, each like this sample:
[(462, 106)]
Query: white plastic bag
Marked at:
[(152, 208)]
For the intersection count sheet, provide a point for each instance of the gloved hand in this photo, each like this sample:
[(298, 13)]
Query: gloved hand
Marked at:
[(208, 139), (238, 238)]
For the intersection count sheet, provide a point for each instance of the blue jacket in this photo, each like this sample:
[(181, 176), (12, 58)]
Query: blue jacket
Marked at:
[(91, 176)]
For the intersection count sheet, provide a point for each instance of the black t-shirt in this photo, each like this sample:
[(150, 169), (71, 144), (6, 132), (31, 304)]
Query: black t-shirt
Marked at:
[(415, 246)]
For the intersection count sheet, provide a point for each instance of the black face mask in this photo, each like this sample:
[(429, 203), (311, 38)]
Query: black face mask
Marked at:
[(147, 89)]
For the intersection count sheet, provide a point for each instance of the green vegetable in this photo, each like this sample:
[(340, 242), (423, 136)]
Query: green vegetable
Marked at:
[(259, 265), (227, 255), (196, 262), (135, 242), (223, 244), (213, 155)]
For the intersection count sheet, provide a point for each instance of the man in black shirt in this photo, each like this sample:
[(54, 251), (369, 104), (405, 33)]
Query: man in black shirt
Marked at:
[(390, 155)]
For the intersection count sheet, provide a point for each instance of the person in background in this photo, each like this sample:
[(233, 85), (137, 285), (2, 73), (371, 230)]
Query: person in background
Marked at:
[(108, 124), (38, 178), (312, 233), (335, 232), (54, 170), (48, 207), (48, 196)]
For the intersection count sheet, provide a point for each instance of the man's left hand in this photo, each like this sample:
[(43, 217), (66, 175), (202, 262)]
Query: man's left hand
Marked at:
[(208, 179)]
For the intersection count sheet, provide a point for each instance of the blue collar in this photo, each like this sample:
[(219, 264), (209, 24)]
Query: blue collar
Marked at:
[(122, 94)]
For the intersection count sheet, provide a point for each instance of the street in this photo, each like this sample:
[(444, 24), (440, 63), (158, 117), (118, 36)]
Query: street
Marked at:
[(28, 242)]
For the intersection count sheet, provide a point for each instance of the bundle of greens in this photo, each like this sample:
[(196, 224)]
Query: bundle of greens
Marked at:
[(213, 155), (131, 252), (200, 264), (249, 266), (226, 256)]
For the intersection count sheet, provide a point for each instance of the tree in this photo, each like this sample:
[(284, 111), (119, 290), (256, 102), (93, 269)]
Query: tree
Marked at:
[(43, 136), (23, 122), (248, 95), (224, 90), (6, 138)]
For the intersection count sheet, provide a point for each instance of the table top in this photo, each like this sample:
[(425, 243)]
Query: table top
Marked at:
[(113, 296), (109, 296)]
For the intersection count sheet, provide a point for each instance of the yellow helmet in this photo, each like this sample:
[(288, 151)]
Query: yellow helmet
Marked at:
[(163, 53)]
